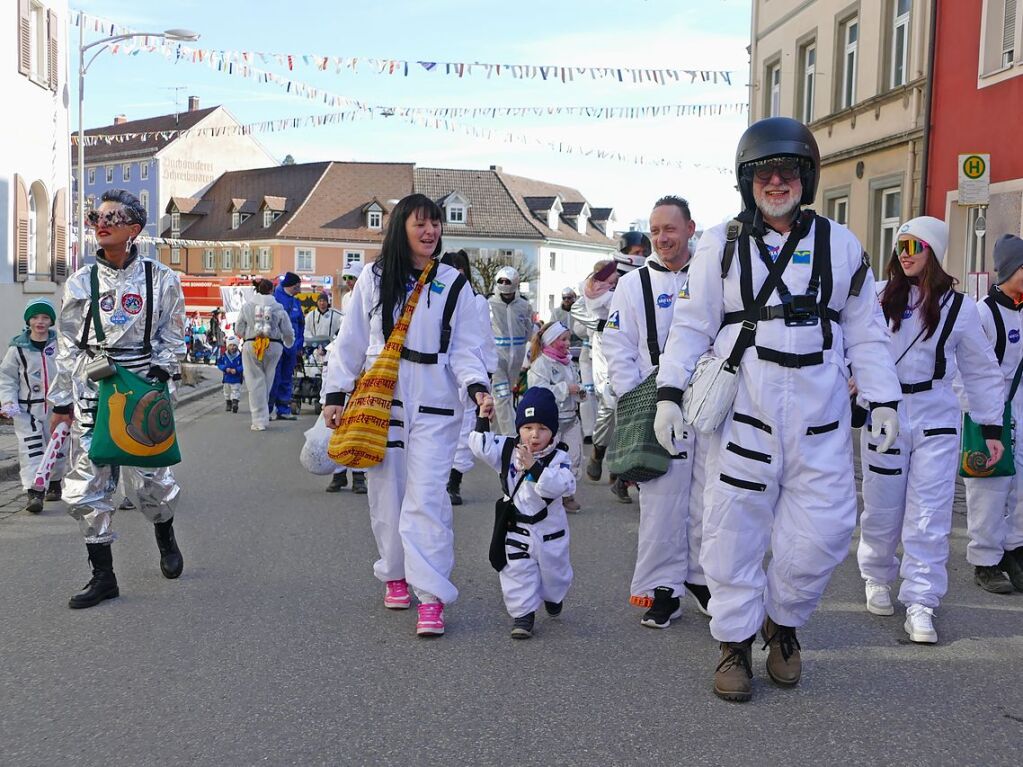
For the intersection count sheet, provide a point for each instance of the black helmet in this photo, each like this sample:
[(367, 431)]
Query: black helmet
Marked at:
[(778, 137), (631, 240)]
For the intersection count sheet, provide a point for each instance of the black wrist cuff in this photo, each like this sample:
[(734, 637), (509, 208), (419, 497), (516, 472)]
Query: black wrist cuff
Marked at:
[(157, 372), (669, 394), (62, 409), (475, 389), (991, 431), (335, 398), (482, 425)]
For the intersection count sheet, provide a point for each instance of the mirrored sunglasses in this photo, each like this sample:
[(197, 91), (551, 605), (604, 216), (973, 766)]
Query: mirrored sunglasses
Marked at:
[(787, 170), (912, 247), (108, 218)]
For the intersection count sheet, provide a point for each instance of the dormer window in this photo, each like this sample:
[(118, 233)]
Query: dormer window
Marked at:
[(268, 217), (236, 219), (456, 214), (175, 222), (375, 219)]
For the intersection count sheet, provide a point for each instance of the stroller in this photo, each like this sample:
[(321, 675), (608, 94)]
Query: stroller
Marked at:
[(308, 379)]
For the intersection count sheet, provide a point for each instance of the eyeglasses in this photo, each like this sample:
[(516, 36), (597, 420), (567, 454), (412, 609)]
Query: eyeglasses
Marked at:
[(109, 218), (787, 170), (912, 247)]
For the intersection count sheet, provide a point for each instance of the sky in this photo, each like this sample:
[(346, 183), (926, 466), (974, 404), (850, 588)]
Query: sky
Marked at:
[(676, 34)]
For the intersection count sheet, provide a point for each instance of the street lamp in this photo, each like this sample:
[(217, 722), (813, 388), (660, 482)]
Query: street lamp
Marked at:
[(83, 67)]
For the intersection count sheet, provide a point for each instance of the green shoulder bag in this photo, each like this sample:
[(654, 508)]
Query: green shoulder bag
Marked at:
[(974, 455)]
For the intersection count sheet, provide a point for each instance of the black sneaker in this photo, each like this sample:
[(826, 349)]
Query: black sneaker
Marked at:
[(338, 481), (553, 608), (702, 595), (991, 578), (359, 483), (620, 490), (522, 628), (1012, 565), (35, 501), (666, 609)]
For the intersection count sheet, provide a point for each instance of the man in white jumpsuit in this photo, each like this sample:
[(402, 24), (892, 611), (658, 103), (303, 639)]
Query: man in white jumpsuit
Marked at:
[(671, 506), (781, 460), (511, 319)]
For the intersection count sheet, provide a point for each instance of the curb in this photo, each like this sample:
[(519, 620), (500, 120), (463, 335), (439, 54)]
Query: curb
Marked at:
[(10, 469)]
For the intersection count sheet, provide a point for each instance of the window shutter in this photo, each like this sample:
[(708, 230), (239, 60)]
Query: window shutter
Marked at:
[(51, 47), (24, 39), (58, 257), (1009, 26), (21, 227)]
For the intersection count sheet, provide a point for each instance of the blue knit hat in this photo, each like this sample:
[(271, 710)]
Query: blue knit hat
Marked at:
[(289, 279), (537, 406)]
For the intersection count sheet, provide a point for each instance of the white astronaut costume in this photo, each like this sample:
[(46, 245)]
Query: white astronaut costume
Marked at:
[(487, 351), (588, 407), (410, 511), (671, 506), (512, 325), (321, 327), (262, 317), (538, 569), (25, 376), (781, 460), (126, 306), (591, 313), (994, 505), (550, 374)]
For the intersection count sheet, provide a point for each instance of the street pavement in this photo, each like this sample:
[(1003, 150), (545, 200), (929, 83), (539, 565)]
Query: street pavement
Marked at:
[(274, 647)]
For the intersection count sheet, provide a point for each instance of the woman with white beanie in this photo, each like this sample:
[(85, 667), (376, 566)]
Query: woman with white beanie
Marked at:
[(908, 490)]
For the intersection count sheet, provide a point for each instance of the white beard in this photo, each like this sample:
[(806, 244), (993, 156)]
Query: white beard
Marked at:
[(774, 209)]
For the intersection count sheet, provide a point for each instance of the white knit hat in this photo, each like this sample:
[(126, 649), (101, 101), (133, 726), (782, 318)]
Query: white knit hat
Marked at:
[(931, 230)]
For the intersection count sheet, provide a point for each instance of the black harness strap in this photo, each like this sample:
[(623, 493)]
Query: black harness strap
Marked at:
[(859, 276), (147, 345), (731, 235), (996, 317), (387, 317), (651, 317), (822, 271), (426, 358), (946, 331)]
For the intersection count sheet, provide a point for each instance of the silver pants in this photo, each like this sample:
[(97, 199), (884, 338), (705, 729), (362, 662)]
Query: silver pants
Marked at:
[(89, 489), (604, 426)]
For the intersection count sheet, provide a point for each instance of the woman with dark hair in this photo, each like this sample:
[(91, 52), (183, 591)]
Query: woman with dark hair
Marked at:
[(410, 511), (265, 331), (908, 489)]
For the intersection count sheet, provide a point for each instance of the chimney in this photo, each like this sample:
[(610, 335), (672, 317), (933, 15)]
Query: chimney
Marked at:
[(193, 103), (496, 168), (119, 119)]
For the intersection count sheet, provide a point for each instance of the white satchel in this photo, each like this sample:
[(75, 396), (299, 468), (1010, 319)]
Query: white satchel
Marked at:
[(710, 394)]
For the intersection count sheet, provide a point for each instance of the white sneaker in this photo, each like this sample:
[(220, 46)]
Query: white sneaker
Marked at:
[(879, 598), (919, 626), (257, 427)]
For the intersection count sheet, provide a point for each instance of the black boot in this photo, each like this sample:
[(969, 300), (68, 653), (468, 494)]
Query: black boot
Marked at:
[(595, 467), (35, 501), (337, 482), (53, 492), (359, 482), (620, 490), (234, 406), (171, 563), (227, 409), (455, 487), (103, 584)]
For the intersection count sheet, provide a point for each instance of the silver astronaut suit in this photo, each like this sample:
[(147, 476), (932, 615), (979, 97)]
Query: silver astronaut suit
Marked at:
[(512, 323), (124, 305)]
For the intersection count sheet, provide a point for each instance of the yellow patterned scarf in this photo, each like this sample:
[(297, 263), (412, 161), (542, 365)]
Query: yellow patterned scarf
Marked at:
[(360, 441)]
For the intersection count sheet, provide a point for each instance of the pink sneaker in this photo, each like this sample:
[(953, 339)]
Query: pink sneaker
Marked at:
[(431, 619), (397, 596)]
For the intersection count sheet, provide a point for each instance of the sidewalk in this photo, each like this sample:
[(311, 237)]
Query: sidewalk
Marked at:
[(209, 383)]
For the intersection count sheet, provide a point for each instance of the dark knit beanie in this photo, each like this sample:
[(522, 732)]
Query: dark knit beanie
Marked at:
[(289, 279), (537, 406)]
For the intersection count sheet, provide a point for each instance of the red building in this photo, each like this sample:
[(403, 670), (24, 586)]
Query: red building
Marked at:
[(976, 107)]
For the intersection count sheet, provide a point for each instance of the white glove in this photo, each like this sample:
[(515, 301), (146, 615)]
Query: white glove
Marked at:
[(668, 424), (884, 419)]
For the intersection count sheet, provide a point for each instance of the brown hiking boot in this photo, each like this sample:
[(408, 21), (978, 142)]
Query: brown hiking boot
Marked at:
[(733, 677), (783, 662)]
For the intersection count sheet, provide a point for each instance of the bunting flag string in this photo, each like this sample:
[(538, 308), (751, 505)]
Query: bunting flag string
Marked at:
[(402, 67)]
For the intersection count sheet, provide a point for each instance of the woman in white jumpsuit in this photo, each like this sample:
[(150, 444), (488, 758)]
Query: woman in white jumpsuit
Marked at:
[(908, 490), (410, 511), (262, 319)]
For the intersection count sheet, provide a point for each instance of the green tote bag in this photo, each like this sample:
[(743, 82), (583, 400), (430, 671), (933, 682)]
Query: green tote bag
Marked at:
[(974, 449)]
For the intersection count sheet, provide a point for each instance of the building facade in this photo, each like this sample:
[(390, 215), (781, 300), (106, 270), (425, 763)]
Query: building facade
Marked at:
[(977, 108), (34, 157), (856, 73)]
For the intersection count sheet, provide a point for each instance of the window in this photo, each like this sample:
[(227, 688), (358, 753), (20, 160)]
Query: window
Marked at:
[(226, 259), (1009, 33), (849, 35), (144, 170), (305, 259), (352, 257), (900, 41), (889, 217), (144, 200), (550, 301), (265, 260), (175, 223), (37, 30), (175, 255), (110, 174), (375, 219), (808, 66), (126, 172), (554, 260), (838, 210), (33, 232), (774, 90), (209, 260), (236, 219), (91, 176), (456, 214), (246, 260)]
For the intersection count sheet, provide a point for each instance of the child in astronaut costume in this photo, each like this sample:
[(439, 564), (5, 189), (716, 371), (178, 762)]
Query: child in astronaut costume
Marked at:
[(671, 506), (782, 459), (994, 505), (410, 511), (537, 473), (511, 319), (266, 331), (551, 367), (27, 369), (908, 490)]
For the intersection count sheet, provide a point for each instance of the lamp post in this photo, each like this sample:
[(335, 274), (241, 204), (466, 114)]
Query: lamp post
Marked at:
[(83, 67)]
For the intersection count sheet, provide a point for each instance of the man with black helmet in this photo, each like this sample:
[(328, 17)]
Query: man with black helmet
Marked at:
[(781, 298)]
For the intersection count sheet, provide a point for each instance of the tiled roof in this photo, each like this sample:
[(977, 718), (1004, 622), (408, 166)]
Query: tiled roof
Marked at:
[(601, 214), (183, 204), (573, 208), (135, 146), (274, 203), (523, 189), (539, 204), (492, 211)]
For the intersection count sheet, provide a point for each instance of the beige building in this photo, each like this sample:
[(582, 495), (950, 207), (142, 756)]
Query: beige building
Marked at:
[(856, 73)]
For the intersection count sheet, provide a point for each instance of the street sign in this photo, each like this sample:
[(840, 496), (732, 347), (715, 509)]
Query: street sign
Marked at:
[(974, 179)]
